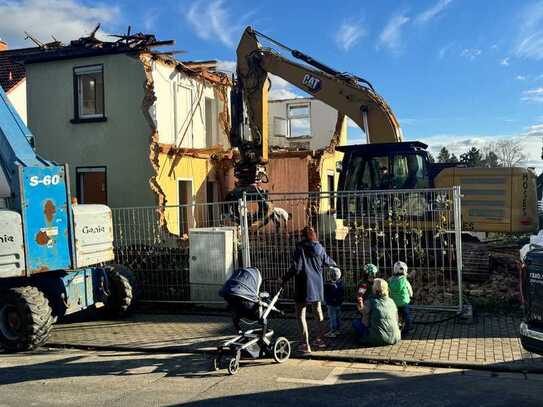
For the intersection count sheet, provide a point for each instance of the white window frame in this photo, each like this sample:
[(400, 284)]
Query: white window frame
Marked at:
[(289, 117), (82, 70)]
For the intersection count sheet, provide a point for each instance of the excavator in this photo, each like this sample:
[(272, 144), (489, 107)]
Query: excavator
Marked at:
[(501, 200)]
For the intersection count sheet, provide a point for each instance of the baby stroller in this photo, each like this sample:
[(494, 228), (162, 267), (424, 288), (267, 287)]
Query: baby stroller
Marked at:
[(242, 293)]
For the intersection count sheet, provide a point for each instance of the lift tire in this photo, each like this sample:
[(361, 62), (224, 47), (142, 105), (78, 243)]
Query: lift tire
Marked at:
[(26, 319), (122, 289)]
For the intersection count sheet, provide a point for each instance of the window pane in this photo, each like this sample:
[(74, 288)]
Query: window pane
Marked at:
[(298, 110), (91, 94), (299, 127)]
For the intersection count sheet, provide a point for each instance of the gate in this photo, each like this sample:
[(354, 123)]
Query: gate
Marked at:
[(420, 227)]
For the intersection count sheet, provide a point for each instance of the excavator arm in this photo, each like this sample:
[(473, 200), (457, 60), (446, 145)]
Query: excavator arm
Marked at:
[(350, 95)]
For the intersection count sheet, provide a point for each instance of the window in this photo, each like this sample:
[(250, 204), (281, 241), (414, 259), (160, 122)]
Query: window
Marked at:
[(299, 123), (91, 185), (410, 171), (89, 93), (211, 116), (331, 191)]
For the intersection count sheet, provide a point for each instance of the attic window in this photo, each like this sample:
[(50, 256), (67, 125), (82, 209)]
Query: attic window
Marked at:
[(89, 93)]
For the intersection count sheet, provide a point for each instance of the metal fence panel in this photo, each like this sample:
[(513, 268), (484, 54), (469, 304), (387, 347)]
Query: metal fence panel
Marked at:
[(419, 227), (154, 243)]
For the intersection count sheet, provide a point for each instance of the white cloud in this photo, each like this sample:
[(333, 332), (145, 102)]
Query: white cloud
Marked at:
[(391, 35), (213, 20), (64, 19), (150, 18), (432, 12), (444, 50), (471, 53), (505, 61), (348, 35), (529, 42), (281, 89), (520, 78), (458, 144), (226, 66), (533, 95), (536, 129)]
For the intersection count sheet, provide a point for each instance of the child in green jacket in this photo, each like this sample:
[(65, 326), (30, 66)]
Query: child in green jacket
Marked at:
[(401, 292)]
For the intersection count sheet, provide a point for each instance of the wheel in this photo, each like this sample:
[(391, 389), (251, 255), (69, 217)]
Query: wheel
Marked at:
[(281, 349), (26, 319), (121, 297), (233, 365)]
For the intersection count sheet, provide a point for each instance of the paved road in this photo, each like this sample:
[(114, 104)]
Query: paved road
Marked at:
[(68, 377)]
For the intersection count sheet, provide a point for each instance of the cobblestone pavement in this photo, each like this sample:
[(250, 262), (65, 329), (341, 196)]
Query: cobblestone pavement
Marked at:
[(491, 341)]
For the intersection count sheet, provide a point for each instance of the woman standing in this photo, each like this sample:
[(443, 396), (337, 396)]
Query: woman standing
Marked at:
[(308, 262)]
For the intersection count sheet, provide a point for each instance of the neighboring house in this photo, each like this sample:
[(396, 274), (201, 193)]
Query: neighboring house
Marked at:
[(301, 123), (12, 76), (137, 127)]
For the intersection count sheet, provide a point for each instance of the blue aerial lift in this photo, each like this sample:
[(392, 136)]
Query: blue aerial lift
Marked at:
[(55, 255)]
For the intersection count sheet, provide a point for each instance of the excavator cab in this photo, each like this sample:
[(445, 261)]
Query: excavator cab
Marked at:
[(382, 166), (385, 166)]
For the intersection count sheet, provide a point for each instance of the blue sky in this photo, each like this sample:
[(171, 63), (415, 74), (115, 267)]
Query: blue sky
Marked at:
[(456, 72)]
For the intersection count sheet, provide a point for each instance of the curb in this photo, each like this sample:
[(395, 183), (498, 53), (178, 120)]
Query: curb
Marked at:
[(314, 356)]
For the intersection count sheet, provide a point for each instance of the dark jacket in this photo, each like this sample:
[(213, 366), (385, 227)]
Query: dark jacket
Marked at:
[(308, 262), (333, 293), (383, 322)]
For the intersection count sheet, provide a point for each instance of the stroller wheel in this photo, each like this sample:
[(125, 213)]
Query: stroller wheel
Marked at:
[(281, 349), (233, 365)]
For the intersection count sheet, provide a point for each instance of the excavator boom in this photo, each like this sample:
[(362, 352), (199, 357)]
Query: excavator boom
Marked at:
[(350, 95)]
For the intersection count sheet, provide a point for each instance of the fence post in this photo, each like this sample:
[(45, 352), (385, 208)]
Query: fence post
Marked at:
[(458, 242), (244, 231)]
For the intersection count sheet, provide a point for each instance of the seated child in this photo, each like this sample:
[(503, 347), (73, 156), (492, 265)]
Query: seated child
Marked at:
[(364, 288), (401, 292), (333, 296)]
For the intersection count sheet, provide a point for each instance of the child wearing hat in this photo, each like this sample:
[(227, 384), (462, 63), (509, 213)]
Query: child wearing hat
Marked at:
[(333, 296), (401, 292), (364, 287)]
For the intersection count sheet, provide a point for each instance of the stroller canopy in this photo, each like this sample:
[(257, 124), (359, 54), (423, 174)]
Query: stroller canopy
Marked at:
[(244, 283)]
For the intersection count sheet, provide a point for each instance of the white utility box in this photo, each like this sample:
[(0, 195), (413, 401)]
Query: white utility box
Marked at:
[(93, 234), (12, 253), (213, 257)]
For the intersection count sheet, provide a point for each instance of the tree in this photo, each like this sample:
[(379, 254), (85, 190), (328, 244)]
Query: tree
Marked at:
[(491, 160), (453, 159), (509, 152), (443, 156), (472, 158), (431, 158)]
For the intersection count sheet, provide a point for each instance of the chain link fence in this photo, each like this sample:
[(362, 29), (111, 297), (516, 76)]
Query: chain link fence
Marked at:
[(419, 227)]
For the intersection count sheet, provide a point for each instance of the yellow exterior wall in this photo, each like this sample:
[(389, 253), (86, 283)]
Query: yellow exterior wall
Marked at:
[(328, 167), (172, 169)]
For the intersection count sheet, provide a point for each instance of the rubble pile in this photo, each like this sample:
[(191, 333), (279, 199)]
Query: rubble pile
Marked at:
[(502, 288)]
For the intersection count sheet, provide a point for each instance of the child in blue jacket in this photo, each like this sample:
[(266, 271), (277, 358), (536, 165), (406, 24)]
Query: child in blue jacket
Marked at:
[(333, 296)]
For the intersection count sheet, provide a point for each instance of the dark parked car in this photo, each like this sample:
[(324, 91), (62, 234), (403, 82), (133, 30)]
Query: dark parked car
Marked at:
[(531, 328)]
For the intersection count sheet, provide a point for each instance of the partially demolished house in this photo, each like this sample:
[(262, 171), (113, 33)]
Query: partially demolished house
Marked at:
[(137, 127)]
